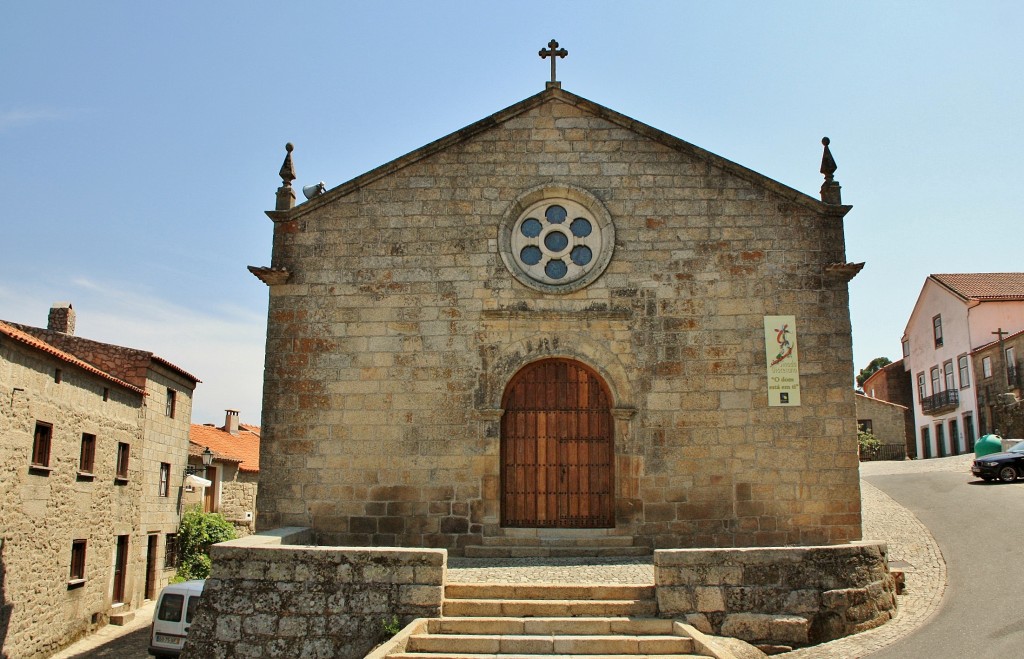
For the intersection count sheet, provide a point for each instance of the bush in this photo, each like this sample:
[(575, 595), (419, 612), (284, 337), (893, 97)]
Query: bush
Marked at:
[(197, 532), (869, 446)]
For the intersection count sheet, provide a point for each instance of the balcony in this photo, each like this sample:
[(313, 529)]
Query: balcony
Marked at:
[(940, 403)]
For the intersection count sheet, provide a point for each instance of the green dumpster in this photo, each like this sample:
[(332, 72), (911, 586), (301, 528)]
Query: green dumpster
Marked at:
[(988, 444)]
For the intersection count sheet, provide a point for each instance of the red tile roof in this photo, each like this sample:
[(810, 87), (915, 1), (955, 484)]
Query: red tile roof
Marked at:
[(989, 286), (243, 448), (31, 341)]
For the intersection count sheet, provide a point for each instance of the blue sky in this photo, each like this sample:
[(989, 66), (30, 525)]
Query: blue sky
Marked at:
[(141, 141)]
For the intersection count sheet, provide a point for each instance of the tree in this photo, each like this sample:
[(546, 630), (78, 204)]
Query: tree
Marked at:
[(876, 365), (196, 534)]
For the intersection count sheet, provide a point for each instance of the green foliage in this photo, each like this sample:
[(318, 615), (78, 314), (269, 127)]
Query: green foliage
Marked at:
[(391, 627), (197, 532), (869, 370), (869, 445)]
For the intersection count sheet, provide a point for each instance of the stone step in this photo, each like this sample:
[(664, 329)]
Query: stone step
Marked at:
[(558, 541), (520, 626), (478, 591), (547, 551), (548, 608), (550, 644), (519, 655)]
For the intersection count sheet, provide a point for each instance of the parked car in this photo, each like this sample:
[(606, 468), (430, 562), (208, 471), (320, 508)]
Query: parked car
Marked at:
[(173, 616), (1007, 466)]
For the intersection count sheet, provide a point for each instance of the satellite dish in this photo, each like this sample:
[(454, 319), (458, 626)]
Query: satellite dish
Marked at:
[(314, 190)]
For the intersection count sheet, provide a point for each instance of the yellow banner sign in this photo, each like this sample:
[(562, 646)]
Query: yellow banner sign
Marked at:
[(782, 359)]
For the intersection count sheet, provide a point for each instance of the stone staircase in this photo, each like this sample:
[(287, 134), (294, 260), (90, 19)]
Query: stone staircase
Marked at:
[(493, 621), (541, 543)]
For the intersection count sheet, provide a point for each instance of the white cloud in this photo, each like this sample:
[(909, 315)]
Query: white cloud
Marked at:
[(27, 116), (223, 347)]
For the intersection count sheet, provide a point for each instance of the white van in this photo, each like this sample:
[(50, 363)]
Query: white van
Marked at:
[(173, 616)]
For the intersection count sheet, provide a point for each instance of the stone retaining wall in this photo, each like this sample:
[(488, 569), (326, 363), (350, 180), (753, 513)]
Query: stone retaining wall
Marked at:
[(268, 597), (782, 596)]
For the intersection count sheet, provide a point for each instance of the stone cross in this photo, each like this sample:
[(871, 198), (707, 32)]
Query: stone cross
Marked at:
[(1002, 351), (553, 52)]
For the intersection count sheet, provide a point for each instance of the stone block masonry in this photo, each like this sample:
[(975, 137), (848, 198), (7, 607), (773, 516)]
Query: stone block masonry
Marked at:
[(270, 596), (786, 596)]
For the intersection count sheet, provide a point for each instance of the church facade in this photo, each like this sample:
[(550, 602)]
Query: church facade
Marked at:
[(560, 322)]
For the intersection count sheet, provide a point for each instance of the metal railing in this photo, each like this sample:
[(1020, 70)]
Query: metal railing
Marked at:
[(943, 401)]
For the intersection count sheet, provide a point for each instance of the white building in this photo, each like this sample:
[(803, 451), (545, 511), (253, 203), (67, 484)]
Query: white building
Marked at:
[(954, 315)]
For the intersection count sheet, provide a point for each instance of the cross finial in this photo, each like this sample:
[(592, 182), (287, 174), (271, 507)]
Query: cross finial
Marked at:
[(554, 52)]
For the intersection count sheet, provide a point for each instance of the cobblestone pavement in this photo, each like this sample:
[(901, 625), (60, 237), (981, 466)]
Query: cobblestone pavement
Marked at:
[(910, 544)]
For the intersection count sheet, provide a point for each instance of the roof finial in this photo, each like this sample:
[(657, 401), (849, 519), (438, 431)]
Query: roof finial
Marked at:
[(830, 189), (285, 193), (553, 52)]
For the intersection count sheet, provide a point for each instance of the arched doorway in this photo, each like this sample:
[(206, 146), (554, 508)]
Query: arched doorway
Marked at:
[(557, 448)]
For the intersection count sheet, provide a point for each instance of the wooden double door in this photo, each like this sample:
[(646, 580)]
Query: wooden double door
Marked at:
[(557, 448)]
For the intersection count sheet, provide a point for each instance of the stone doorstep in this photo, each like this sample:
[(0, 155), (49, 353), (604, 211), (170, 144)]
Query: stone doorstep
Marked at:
[(546, 644), (548, 608), (478, 591), (547, 551), (558, 541), (463, 655)]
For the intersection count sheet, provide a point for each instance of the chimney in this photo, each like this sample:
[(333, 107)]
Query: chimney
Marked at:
[(231, 421), (61, 318)]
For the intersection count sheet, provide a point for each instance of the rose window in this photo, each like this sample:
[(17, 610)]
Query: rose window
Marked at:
[(556, 242)]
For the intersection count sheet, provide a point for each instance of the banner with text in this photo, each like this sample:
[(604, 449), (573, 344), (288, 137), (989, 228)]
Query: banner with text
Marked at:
[(782, 359)]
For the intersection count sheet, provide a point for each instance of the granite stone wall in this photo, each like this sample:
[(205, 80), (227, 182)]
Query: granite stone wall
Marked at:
[(268, 597), (787, 596)]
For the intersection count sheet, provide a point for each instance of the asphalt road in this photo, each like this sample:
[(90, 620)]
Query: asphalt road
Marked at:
[(980, 529)]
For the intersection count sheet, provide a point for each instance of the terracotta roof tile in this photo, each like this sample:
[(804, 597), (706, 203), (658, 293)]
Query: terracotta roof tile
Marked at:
[(984, 285), (33, 342), (243, 448)]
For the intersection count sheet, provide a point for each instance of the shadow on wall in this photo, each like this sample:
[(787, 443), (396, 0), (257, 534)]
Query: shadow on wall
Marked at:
[(5, 606)]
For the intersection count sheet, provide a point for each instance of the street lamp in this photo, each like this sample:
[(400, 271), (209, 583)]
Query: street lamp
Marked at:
[(191, 470)]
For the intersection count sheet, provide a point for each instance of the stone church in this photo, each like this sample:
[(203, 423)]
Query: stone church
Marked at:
[(560, 323)]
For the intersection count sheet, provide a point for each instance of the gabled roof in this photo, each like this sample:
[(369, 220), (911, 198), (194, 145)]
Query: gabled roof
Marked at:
[(105, 356), (243, 448), (879, 400), (34, 342), (992, 343), (984, 286), (552, 94)]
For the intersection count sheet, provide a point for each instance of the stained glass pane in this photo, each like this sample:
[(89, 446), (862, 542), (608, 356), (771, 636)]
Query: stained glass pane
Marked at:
[(581, 255), (555, 214), (530, 255), (556, 241), (530, 228), (580, 227), (556, 269)]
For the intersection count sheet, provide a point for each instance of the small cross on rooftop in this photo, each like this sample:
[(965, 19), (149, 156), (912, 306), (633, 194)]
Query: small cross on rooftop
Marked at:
[(554, 52)]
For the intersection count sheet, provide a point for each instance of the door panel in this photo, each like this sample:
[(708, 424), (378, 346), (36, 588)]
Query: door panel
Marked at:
[(557, 448)]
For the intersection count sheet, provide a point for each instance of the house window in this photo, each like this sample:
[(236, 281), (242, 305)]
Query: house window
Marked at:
[(171, 551), (986, 367), (122, 461), (172, 402), (58, 376), (1011, 366), (937, 329), (864, 425), (948, 372), (87, 456), (41, 445), (935, 380), (965, 373), (106, 394), (922, 392), (906, 347), (77, 576), (165, 479)]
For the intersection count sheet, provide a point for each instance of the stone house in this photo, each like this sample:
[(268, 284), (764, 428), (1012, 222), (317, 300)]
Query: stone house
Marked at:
[(93, 435), (887, 422), (892, 384), (998, 368), (954, 315), (559, 321), (234, 474)]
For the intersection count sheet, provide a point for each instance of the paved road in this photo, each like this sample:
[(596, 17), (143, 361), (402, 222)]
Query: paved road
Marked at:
[(979, 528)]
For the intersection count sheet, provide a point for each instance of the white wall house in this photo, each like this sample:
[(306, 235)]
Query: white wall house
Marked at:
[(954, 315)]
